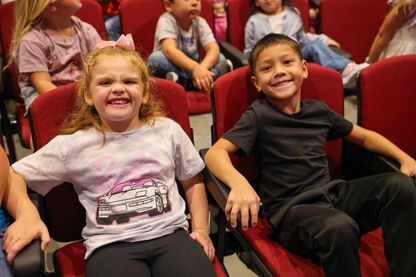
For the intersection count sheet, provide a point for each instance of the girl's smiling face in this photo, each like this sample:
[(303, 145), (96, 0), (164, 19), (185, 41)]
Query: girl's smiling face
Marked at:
[(116, 91)]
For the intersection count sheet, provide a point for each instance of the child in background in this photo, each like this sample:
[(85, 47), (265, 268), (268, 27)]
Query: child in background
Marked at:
[(119, 145), (181, 35), (112, 19), (220, 17), (310, 214), (49, 45), (28, 225), (278, 16), (397, 34)]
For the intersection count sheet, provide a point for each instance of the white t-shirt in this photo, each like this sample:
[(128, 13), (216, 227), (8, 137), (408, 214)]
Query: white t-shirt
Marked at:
[(127, 186), (189, 41)]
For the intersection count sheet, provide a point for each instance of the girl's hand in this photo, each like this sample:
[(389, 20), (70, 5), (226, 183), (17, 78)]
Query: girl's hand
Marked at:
[(331, 42), (201, 237)]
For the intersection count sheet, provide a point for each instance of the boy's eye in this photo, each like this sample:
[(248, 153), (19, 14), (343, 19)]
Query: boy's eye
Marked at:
[(287, 62), (266, 68)]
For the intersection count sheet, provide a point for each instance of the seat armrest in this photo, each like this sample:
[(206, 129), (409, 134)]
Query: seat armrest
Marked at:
[(30, 261), (217, 189), (341, 52), (366, 162), (233, 54)]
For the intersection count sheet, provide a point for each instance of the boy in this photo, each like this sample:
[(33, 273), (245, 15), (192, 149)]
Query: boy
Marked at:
[(309, 213), (27, 226), (181, 35)]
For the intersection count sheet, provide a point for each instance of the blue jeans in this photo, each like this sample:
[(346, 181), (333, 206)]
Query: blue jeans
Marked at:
[(113, 27), (5, 269), (158, 62), (316, 51)]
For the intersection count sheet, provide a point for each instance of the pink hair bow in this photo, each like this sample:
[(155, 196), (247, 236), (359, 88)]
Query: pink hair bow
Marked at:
[(124, 41)]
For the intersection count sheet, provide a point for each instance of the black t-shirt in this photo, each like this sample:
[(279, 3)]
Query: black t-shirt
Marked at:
[(288, 148)]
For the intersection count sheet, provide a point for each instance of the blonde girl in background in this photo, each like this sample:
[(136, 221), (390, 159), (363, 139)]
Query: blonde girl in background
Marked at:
[(397, 34), (49, 45), (118, 147)]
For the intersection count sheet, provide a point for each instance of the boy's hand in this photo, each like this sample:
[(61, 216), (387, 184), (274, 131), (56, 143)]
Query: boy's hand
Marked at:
[(409, 167), (331, 42), (21, 233), (202, 78), (201, 237), (244, 199)]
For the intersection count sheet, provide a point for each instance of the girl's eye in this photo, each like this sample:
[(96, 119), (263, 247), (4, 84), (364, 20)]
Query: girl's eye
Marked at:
[(104, 83), (129, 82)]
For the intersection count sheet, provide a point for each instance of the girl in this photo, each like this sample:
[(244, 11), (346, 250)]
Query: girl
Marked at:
[(279, 16), (123, 156), (49, 45), (397, 34)]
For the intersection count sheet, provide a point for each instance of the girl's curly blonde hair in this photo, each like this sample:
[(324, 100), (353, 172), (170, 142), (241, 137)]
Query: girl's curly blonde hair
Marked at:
[(85, 116)]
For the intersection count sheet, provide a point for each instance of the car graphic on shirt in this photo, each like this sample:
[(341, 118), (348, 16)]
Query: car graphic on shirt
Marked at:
[(133, 198)]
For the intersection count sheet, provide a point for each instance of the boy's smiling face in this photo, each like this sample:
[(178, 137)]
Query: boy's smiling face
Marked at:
[(279, 74)]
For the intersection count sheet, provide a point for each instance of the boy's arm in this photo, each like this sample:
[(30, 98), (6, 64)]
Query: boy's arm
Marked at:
[(197, 202), (375, 142), (389, 26), (42, 82), (27, 225), (176, 56), (242, 195)]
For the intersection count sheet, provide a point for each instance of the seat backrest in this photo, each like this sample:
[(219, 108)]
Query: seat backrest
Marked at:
[(6, 31), (139, 18), (92, 13), (386, 90), (238, 13), (234, 92), (65, 224), (354, 24)]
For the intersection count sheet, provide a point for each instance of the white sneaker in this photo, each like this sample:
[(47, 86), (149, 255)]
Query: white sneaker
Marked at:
[(350, 74), (172, 76)]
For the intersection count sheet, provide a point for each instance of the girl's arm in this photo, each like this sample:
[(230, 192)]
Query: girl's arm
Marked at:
[(42, 82), (391, 23), (196, 199), (27, 225), (242, 198), (375, 142)]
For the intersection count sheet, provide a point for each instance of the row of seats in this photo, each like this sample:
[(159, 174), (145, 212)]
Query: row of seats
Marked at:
[(231, 94)]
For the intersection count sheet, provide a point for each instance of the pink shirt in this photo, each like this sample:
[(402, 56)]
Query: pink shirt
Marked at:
[(41, 51)]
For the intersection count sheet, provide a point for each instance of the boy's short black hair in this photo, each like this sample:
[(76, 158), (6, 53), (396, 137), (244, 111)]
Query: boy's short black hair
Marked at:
[(270, 40), (254, 9)]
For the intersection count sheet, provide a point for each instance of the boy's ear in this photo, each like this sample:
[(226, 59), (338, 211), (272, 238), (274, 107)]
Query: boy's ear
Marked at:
[(168, 5), (255, 83), (305, 69)]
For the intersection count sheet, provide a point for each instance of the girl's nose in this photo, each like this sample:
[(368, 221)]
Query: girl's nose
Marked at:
[(118, 88)]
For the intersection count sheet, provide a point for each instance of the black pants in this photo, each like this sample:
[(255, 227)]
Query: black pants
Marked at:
[(332, 229), (172, 255)]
